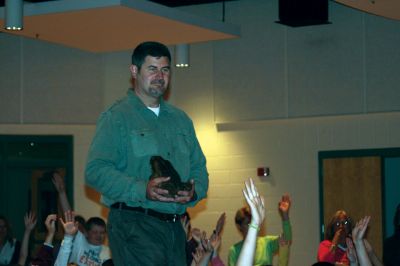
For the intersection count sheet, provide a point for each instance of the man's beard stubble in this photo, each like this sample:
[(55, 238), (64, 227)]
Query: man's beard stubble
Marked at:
[(157, 88)]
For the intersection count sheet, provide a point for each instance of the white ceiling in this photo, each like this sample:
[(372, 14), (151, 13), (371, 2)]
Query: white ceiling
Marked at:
[(112, 25)]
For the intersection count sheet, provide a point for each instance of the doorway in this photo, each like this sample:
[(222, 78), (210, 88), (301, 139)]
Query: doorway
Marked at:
[(24, 186), (361, 182)]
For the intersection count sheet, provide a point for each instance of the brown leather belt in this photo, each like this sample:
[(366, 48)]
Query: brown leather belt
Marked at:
[(166, 217)]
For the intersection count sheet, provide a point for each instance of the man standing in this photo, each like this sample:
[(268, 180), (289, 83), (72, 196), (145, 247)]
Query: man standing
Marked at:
[(144, 220)]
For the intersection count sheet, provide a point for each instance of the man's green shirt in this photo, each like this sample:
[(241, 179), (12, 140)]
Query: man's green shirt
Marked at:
[(126, 137)]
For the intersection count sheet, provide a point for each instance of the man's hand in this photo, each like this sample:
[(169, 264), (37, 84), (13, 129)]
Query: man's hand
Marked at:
[(154, 192), (284, 206), (185, 196)]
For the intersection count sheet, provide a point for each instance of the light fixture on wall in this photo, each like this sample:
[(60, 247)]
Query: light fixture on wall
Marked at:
[(182, 55), (14, 12)]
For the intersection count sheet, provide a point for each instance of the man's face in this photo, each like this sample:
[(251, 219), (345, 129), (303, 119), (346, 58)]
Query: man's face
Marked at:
[(152, 79), (96, 235)]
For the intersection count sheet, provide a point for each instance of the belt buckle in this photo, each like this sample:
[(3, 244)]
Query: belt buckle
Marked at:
[(174, 218)]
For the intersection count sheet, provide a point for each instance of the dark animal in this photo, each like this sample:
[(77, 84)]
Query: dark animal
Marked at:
[(161, 167)]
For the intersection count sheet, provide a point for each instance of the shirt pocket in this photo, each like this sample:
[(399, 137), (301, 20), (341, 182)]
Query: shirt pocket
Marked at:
[(183, 142), (144, 142)]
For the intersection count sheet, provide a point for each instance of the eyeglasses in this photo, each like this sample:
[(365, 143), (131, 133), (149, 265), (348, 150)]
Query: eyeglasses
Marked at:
[(344, 223)]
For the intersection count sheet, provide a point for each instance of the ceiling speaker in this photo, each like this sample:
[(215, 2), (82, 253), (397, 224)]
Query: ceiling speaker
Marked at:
[(297, 13)]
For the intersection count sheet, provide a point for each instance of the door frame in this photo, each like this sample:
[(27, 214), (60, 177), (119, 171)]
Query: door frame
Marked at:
[(41, 163), (381, 152)]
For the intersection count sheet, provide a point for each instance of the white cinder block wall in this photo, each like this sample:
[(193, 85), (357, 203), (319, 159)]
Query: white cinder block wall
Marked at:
[(274, 97), (289, 148), (280, 120)]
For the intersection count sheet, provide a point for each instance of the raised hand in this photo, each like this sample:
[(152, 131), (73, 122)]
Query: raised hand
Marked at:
[(51, 223), (206, 242), (255, 201), (70, 226), (196, 235), (360, 229), (198, 255), (220, 224), (30, 221), (51, 228), (284, 206), (215, 241), (58, 182), (358, 236)]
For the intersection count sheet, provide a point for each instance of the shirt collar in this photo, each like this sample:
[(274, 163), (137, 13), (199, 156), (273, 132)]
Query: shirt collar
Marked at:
[(164, 107)]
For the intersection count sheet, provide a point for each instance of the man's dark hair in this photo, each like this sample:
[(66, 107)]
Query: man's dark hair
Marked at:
[(94, 221), (144, 49)]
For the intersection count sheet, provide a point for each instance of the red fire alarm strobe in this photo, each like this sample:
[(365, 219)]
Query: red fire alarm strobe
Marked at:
[(263, 171)]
